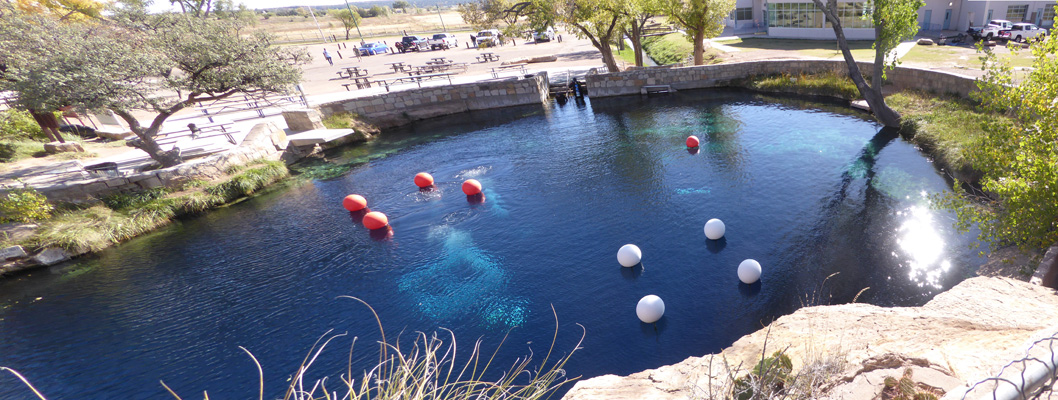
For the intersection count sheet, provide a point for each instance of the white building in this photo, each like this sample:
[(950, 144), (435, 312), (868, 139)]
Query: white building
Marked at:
[(800, 19)]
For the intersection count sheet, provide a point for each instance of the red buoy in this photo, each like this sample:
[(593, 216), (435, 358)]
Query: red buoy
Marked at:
[(471, 187), (423, 180), (354, 202), (375, 220), (692, 141)]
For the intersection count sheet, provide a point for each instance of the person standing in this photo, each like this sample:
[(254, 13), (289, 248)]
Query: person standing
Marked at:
[(328, 57)]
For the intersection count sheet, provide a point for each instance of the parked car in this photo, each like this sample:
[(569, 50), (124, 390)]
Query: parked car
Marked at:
[(488, 38), (370, 49), (1024, 31), (443, 41), (994, 28), (414, 43), (545, 35)]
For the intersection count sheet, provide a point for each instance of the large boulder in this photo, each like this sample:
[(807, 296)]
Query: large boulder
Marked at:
[(68, 147), (962, 335)]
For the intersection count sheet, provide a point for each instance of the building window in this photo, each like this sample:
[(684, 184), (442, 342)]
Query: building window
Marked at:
[(742, 14), (988, 18), (1048, 17), (1017, 13), (806, 15)]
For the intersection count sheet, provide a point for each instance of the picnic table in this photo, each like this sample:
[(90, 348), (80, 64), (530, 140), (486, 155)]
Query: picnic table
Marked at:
[(488, 56), (415, 78), (361, 82), (355, 71), (438, 60), (503, 68), (399, 66)]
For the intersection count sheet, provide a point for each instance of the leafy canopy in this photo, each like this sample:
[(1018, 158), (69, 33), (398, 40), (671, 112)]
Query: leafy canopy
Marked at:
[(1019, 156)]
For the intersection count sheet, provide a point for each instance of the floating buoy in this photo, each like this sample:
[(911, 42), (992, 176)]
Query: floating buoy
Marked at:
[(714, 229), (354, 202), (692, 141), (749, 271), (423, 180), (375, 220), (650, 309), (471, 187), (629, 255)]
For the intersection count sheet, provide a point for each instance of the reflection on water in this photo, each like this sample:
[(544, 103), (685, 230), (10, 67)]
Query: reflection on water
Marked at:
[(923, 247)]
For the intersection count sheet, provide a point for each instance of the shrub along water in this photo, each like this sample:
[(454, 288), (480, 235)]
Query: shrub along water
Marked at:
[(122, 216)]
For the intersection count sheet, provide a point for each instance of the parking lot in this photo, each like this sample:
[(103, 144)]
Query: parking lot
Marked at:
[(320, 78)]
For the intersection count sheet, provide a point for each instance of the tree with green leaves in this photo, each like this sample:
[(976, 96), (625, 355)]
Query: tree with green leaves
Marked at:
[(490, 14), (699, 19), (160, 63), (1018, 204), (894, 21), (639, 13), (349, 19), (600, 21), (73, 10), (402, 5)]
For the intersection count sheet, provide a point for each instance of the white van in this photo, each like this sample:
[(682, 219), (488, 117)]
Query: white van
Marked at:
[(546, 35), (488, 38)]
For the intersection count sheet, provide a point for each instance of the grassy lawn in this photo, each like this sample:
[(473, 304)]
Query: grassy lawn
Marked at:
[(963, 57), (626, 55), (828, 49)]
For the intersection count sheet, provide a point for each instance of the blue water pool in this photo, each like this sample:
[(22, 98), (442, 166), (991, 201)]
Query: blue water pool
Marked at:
[(807, 189)]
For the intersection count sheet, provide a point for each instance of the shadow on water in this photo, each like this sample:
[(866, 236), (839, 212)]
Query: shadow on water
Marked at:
[(632, 273), (716, 246)]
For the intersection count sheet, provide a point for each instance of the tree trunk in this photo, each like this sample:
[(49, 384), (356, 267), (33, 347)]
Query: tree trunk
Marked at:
[(347, 35), (607, 55), (146, 142), (48, 124), (699, 46), (873, 95), (637, 42)]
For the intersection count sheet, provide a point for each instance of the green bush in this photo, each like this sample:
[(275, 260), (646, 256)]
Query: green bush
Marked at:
[(675, 48), (342, 120), (24, 205), (825, 84), (19, 125), (133, 200)]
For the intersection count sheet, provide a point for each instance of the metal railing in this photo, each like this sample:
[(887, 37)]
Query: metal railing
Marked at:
[(1029, 377)]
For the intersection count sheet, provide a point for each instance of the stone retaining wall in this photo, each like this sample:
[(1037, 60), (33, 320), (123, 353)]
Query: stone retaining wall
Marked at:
[(265, 141), (707, 76), (399, 108)]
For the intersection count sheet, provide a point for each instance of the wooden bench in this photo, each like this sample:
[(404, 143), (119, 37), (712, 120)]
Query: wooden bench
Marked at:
[(414, 78), (497, 70)]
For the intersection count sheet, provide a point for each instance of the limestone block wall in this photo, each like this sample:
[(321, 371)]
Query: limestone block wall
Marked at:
[(398, 108), (265, 141), (706, 76)]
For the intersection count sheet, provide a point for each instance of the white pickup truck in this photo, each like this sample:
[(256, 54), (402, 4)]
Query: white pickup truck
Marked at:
[(443, 41), (993, 28), (1024, 31)]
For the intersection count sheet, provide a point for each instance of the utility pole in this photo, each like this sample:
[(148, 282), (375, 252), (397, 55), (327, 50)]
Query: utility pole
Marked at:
[(317, 24), (354, 22), (439, 17)]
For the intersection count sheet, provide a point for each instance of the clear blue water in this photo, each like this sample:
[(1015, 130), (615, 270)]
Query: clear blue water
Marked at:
[(807, 189)]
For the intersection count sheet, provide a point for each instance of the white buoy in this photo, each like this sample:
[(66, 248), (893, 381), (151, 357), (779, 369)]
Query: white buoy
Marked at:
[(714, 229), (650, 309), (749, 271), (629, 255)]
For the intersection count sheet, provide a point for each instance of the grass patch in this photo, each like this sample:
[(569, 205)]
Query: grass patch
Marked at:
[(669, 49), (963, 57), (342, 120), (827, 84), (828, 49), (943, 125), (122, 216), (627, 55)]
